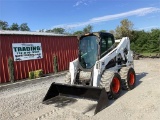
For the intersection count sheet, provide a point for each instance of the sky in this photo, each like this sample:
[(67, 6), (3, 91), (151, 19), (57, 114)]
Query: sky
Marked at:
[(74, 15)]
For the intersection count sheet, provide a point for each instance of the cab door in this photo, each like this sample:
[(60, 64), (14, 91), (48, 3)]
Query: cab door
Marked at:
[(106, 44)]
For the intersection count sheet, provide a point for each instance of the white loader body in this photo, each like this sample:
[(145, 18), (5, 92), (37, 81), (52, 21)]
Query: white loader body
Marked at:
[(99, 67), (103, 68)]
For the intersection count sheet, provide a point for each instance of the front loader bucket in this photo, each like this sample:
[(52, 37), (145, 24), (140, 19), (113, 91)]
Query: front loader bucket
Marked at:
[(71, 91)]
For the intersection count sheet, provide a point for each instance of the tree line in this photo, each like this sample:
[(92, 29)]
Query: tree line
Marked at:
[(22, 27), (141, 41), (146, 42)]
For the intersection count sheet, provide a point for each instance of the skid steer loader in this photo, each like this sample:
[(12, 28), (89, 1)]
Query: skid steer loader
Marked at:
[(104, 66)]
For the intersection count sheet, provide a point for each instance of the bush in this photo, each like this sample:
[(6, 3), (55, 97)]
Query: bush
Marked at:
[(11, 69), (38, 73), (55, 64), (31, 75), (35, 74)]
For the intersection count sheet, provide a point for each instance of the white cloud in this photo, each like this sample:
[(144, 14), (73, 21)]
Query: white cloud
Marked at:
[(137, 12), (83, 2), (78, 3)]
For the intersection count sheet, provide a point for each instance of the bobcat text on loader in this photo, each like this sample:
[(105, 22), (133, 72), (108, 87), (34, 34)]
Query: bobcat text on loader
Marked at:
[(104, 66)]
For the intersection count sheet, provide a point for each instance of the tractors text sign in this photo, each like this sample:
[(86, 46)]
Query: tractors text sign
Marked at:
[(26, 51)]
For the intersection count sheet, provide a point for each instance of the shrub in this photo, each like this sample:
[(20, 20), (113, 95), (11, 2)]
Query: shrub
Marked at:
[(11, 69), (35, 74), (55, 64), (31, 75), (38, 73)]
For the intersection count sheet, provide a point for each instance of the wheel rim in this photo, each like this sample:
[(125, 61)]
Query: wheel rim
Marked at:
[(115, 85), (131, 78)]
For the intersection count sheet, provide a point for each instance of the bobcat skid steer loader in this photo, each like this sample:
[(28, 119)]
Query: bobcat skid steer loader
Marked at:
[(104, 66)]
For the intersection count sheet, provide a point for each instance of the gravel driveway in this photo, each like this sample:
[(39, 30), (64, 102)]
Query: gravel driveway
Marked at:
[(23, 102)]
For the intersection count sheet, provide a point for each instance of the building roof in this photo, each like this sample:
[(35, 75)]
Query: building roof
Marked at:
[(7, 32)]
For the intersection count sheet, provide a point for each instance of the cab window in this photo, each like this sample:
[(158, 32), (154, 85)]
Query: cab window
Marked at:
[(106, 43)]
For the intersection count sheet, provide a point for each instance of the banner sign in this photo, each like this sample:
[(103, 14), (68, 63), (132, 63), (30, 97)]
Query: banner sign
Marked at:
[(26, 51)]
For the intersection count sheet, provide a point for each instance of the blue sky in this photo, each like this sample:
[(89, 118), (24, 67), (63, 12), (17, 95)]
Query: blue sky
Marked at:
[(76, 14)]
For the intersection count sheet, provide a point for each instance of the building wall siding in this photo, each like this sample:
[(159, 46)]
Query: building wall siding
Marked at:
[(64, 47)]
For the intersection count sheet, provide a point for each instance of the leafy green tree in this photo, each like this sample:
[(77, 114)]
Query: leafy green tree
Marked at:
[(24, 27), (125, 29), (146, 42), (57, 30), (3, 25), (78, 33), (155, 34), (102, 31), (154, 41), (87, 29), (139, 40), (41, 30), (14, 26)]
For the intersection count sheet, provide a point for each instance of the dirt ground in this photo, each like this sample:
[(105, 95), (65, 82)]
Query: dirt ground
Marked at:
[(25, 102)]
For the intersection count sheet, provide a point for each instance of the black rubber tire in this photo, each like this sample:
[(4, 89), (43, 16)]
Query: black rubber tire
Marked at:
[(131, 86), (106, 80), (112, 94), (125, 75)]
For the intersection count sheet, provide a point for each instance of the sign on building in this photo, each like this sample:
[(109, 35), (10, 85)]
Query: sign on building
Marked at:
[(26, 51)]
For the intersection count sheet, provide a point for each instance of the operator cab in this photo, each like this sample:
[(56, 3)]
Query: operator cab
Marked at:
[(92, 47)]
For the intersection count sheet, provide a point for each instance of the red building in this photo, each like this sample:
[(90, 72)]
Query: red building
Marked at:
[(64, 47)]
